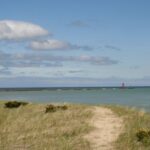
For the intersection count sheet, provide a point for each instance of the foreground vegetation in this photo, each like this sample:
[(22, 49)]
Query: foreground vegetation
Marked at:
[(33, 127), (26, 126), (136, 134)]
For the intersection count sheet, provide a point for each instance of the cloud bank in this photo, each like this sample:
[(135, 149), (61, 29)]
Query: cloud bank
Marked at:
[(48, 60), (72, 81), (18, 30)]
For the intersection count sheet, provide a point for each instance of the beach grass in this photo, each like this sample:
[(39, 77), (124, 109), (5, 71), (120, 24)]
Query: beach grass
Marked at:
[(30, 128), (136, 123)]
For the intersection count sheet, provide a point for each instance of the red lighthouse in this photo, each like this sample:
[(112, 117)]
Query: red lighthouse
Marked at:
[(123, 85)]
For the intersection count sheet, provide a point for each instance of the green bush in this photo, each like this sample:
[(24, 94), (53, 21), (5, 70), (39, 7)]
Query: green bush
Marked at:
[(53, 108), (143, 136), (50, 108), (62, 107), (14, 104)]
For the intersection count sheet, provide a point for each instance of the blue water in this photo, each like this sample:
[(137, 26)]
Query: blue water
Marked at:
[(137, 97)]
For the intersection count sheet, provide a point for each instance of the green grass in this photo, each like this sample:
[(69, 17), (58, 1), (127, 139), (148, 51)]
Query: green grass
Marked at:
[(134, 122), (30, 128)]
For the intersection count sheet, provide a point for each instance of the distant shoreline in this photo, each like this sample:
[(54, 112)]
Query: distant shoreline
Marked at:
[(66, 88)]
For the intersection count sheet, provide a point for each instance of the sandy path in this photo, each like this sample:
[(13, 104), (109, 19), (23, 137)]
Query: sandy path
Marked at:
[(107, 125)]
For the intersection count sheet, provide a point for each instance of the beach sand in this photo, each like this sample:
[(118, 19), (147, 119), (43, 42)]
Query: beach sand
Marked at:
[(108, 127)]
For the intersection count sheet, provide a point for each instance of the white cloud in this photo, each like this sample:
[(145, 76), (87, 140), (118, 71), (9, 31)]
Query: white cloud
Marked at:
[(55, 45), (18, 30), (96, 60), (49, 44)]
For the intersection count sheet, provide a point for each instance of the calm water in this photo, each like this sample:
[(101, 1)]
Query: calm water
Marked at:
[(138, 97)]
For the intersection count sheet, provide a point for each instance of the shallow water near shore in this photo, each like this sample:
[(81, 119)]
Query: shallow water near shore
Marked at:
[(135, 96)]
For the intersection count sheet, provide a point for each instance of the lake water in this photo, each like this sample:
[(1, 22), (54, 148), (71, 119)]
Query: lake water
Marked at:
[(136, 97)]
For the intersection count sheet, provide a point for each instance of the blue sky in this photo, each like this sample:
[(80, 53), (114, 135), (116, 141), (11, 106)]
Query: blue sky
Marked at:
[(74, 43)]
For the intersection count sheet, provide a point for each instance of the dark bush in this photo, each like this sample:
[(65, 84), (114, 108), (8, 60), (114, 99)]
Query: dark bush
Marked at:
[(50, 108), (14, 104), (62, 107), (53, 108), (143, 136)]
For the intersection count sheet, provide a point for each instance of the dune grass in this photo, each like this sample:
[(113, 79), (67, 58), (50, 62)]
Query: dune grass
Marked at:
[(135, 121), (30, 128)]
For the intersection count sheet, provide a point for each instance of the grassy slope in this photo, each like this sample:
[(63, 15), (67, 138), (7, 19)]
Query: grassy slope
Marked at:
[(134, 121), (30, 128)]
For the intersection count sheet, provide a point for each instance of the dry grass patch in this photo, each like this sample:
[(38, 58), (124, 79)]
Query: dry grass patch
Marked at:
[(136, 135)]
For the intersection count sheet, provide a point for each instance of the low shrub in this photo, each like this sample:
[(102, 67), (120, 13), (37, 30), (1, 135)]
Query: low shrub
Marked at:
[(14, 104), (50, 108), (53, 108), (62, 107), (143, 136)]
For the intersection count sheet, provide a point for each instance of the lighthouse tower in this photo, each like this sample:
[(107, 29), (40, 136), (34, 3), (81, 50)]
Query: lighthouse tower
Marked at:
[(123, 85)]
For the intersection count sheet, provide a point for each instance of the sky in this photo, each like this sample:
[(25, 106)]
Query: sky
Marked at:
[(47, 43)]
